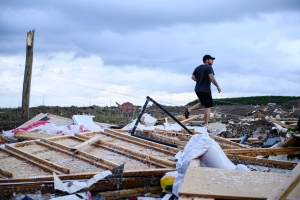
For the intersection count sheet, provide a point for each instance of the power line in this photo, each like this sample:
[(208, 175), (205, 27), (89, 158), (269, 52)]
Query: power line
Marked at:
[(105, 81), (49, 94)]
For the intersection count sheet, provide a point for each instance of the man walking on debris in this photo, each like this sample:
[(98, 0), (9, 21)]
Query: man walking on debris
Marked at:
[(204, 75)]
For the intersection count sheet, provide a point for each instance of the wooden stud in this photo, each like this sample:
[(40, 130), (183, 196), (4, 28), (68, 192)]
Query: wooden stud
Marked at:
[(6, 173), (261, 161), (263, 151), (129, 192), (192, 118), (224, 140), (39, 160), (80, 157), (31, 135), (277, 122), (85, 143), (33, 162), (287, 185)]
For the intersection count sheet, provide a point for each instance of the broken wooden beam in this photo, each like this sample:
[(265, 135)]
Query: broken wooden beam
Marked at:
[(287, 186), (277, 122), (127, 193), (263, 151), (224, 140), (238, 159), (85, 143), (6, 173), (192, 118), (32, 135)]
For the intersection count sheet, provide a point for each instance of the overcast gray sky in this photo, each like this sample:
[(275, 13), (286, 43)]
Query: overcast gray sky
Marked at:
[(98, 52)]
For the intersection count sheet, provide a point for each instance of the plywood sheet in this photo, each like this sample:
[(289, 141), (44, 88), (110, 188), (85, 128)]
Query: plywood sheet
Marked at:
[(232, 184)]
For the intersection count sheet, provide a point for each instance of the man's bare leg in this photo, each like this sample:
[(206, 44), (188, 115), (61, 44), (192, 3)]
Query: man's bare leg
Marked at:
[(206, 115), (195, 107)]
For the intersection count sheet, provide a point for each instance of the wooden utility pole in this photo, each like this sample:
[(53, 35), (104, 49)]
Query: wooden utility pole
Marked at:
[(27, 76)]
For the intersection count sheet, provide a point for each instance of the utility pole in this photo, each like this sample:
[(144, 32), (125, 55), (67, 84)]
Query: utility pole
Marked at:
[(27, 76)]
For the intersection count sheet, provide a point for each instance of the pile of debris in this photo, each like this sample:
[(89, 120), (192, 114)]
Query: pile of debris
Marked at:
[(236, 157)]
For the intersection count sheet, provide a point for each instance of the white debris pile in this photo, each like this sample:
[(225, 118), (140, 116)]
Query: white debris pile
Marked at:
[(81, 124)]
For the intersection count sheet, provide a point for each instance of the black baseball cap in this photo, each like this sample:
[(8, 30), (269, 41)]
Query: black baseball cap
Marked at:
[(207, 57)]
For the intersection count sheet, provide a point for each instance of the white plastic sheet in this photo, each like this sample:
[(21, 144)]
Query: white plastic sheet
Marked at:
[(210, 153), (87, 121), (74, 186)]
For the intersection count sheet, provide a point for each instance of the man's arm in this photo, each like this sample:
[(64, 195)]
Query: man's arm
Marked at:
[(194, 78), (214, 81)]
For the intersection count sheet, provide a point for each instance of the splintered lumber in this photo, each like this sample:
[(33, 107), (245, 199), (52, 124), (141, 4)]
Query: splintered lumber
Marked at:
[(32, 135), (287, 186), (232, 184), (43, 187), (248, 140), (88, 142), (192, 118), (226, 141), (45, 162), (6, 173), (288, 141), (237, 159), (296, 136), (77, 176), (263, 151), (277, 122), (129, 192)]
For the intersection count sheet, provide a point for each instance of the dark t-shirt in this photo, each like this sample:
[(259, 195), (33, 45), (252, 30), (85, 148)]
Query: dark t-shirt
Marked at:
[(203, 82)]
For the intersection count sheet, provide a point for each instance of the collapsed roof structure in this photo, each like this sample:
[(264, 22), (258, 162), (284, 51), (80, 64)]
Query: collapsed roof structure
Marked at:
[(75, 154)]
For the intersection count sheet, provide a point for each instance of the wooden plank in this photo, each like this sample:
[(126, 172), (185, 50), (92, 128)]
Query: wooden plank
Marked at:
[(296, 135), (39, 160), (85, 143), (277, 122), (286, 186), (140, 141), (35, 163), (224, 140), (129, 192), (32, 135), (239, 139), (288, 142), (100, 186), (6, 173), (232, 184), (238, 159), (90, 156), (142, 155), (263, 151), (164, 138), (134, 154), (192, 118), (80, 157)]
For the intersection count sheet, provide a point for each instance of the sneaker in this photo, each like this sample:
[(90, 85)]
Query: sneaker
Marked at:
[(205, 126), (186, 113)]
